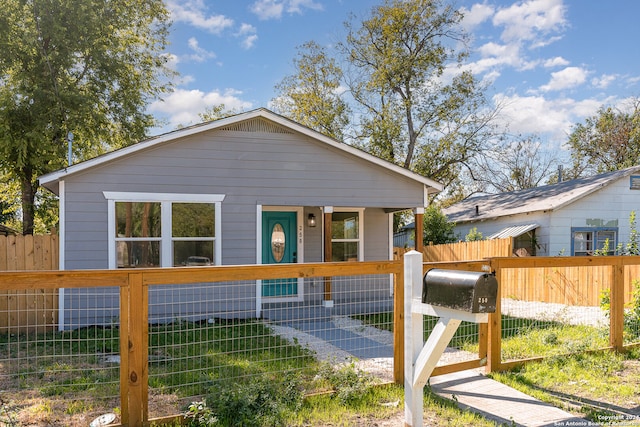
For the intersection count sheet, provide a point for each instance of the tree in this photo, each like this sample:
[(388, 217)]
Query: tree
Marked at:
[(512, 165), (311, 96), (437, 228), (217, 112), (607, 141), (83, 66), (419, 110)]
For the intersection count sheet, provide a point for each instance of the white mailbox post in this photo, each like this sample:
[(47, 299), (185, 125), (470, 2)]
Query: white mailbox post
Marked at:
[(420, 358)]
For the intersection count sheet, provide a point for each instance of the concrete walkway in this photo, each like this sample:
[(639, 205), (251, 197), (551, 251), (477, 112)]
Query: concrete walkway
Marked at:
[(501, 403)]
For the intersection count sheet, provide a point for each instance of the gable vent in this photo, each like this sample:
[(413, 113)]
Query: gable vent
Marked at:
[(257, 125)]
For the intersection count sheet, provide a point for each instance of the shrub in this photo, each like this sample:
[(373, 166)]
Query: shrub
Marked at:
[(261, 401), (349, 384)]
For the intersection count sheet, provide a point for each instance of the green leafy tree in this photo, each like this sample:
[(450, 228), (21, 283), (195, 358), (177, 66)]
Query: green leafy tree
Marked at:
[(88, 67), (413, 113), (437, 228), (607, 141), (217, 112), (473, 235), (311, 96)]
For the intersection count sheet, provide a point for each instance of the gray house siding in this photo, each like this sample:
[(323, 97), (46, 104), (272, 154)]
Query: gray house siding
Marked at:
[(275, 167), (284, 170)]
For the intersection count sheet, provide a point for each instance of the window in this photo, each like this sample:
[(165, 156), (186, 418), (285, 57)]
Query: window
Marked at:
[(163, 230), (585, 241), (346, 236), (138, 234)]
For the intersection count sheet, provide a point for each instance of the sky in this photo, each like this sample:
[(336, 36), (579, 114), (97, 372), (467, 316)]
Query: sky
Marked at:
[(550, 63)]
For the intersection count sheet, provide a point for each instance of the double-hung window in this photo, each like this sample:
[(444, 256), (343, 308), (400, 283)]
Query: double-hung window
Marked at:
[(163, 230), (585, 241), (346, 235)]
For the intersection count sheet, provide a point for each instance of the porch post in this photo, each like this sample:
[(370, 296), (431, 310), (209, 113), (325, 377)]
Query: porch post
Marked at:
[(328, 216), (419, 233)]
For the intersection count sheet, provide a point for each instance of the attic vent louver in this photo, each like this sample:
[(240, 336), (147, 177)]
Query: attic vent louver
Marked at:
[(257, 125), (634, 182)]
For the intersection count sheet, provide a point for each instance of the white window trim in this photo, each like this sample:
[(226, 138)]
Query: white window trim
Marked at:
[(360, 238), (166, 199)]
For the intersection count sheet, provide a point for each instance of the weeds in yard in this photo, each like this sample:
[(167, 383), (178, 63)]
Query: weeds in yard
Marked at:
[(579, 380), (631, 312), (8, 414)]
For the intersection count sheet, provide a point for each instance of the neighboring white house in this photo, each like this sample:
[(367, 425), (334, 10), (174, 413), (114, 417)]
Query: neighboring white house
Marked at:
[(569, 218)]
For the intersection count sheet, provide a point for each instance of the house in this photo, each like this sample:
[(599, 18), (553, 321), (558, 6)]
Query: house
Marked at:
[(405, 236), (7, 231), (254, 188), (569, 218)]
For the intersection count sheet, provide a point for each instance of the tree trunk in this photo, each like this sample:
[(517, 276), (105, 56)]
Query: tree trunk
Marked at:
[(28, 200)]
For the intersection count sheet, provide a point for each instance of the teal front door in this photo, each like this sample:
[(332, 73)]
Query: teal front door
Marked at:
[(279, 246)]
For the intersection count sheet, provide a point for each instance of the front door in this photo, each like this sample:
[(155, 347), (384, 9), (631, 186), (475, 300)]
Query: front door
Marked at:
[(279, 246)]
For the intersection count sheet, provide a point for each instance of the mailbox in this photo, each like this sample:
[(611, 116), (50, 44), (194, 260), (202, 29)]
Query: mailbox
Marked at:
[(470, 291)]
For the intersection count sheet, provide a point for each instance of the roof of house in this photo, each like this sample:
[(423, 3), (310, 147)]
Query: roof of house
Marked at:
[(513, 231), (50, 180), (538, 199), (5, 231)]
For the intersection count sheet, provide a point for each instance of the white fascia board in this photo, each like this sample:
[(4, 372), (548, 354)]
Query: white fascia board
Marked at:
[(122, 196)]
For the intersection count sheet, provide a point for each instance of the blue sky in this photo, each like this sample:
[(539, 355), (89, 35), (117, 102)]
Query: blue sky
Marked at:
[(552, 63)]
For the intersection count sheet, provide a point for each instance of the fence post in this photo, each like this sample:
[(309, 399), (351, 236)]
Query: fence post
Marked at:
[(137, 307), (398, 329), (616, 306), (494, 326), (413, 334)]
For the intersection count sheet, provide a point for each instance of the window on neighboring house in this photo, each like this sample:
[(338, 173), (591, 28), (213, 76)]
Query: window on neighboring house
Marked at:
[(585, 241), (162, 230), (346, 235)]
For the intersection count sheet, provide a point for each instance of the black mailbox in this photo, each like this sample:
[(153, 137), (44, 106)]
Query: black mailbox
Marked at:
[(469, 291)]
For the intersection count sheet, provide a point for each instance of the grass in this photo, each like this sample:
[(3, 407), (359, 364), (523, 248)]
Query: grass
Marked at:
[(521, 338), (189, 359), (600, 384)]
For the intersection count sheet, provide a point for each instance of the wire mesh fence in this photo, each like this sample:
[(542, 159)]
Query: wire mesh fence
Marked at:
[(205, 338), (207, 329), (61, 375)]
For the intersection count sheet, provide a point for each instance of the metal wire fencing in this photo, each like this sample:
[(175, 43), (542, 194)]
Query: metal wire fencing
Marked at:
[(205, 337), (62, 375)]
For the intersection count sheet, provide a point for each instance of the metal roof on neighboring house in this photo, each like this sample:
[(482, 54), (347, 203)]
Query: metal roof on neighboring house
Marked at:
[(545, 198), (513, 231)]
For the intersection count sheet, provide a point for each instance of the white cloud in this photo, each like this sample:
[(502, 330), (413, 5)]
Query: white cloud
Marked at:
[(268, 9), (558, 61), (604, 80), (181, 107), (194, 12), (199, 54), (248, 34), (531, 20), (476, 15), (553, 118), (249, 41), (565, 79), (274, 9), (296, 6)]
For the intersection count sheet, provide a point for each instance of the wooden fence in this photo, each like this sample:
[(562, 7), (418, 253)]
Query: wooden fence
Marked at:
[(462, 251), (36, 308), (134, 288)]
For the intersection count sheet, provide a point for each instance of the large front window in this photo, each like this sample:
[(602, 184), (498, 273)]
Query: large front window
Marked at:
[(346, 236), (160, 230)]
